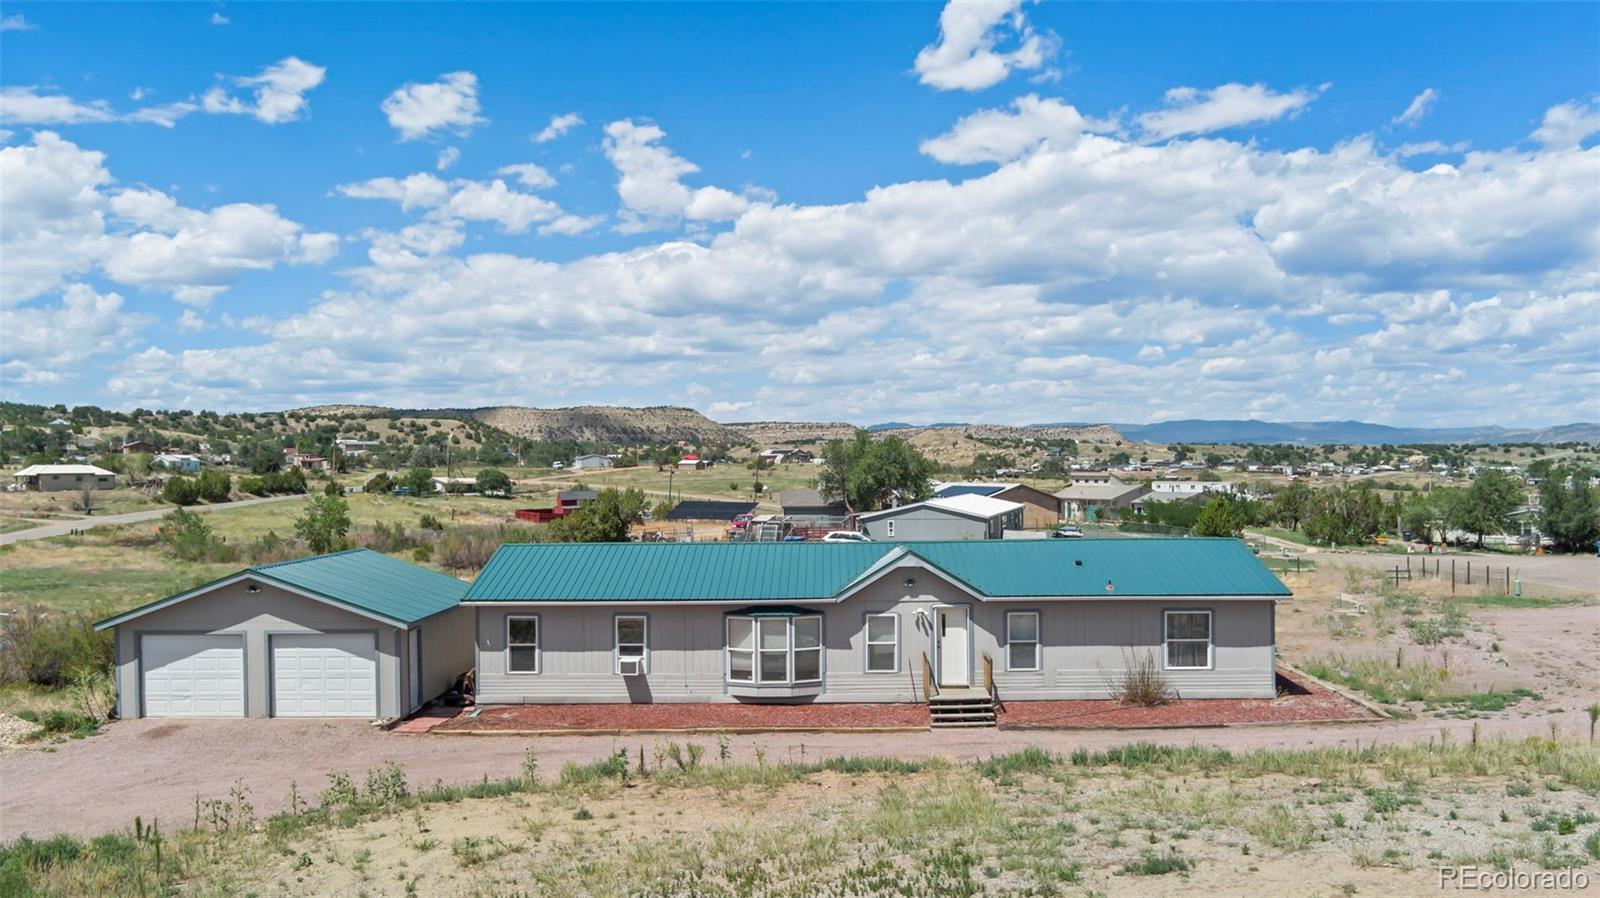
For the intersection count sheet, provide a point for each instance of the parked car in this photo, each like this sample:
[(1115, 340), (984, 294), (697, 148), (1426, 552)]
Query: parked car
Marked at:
[(845, 536), (1068, 531), (741, 521)]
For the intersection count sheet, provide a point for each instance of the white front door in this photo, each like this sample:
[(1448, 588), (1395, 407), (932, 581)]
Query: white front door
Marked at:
[(192, 676), (954, 659), (325, 675)]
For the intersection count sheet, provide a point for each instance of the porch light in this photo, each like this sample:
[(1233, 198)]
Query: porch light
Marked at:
[(1110, 587), (253, 588), (910, 582)]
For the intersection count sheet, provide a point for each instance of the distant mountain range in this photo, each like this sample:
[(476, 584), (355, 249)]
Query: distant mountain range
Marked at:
[(1348, 432)]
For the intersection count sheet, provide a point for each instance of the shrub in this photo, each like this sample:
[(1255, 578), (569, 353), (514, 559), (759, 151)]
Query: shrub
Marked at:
[(429, 522), (180, 490), (379, 483), (422, 554), (214, 486), (332, 488), (252, 486), (1143, 682), (190, 538), (1157, 864), (57, 722), (324, 524), (468, 548), (47, 648)]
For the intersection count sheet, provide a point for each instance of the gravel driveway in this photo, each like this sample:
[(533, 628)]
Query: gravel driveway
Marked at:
[(155, 769)]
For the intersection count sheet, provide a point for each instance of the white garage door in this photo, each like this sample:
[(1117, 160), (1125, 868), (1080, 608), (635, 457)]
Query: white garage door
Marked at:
[(192, 676), (332, 675)]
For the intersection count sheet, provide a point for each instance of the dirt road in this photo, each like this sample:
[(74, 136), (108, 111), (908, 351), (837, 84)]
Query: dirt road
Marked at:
[(156, 769), (133, 517)]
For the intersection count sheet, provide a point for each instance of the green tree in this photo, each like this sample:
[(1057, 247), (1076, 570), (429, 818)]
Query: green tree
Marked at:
[(865, 473), (1420, 515), (180, 490), (492, 481), (1118, 459), (604, 520), (1345, 514), (379, 483), (1569, 512), (418, 480), (1291, 504), (187, 536), (1220, 517), (1486, 505), (324, 524), (214, 485)]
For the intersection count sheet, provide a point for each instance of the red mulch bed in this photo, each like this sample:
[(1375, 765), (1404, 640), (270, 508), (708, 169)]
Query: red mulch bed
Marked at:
[(612, 717), (1310, 704), (1314, 704)]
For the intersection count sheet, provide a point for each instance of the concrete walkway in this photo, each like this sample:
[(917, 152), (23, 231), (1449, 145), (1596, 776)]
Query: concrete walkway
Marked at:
[(133, 517), (156, 768)]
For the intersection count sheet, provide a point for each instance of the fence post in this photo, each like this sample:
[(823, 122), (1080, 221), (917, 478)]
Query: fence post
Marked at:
[(1452, 576), (1469, 572)]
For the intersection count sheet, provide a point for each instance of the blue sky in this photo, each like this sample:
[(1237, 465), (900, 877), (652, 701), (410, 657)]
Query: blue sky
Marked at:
[(991, 211)]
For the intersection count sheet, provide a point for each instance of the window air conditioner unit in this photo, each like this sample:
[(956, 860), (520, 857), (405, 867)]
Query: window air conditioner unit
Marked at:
[(630, 667)]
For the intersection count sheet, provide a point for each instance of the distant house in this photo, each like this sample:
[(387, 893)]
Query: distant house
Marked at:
[(1039, 508), (957, 517), (1171, 490), (177, 461), (693, 463), (787, 456), (133, 447), (455, 484), (568, 501), (304, 461), (61, 478), (591, 462), (356, 448), (809, 505), (1091, 498)]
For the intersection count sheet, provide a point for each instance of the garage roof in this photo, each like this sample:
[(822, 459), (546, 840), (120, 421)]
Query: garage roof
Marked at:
[(723, 572), (366, 582)]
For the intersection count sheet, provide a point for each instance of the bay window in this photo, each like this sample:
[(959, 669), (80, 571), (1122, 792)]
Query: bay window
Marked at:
[(775, 649)]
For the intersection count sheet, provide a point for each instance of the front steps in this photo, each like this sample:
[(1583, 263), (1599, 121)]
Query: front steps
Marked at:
[(955, 707)]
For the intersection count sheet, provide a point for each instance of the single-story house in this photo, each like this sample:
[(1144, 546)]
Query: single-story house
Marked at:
[(1170, 490), (60, 478), (181, 462), (1097, 499), (957, 517), (351, 634), (359, 634), (133, 447), (809, 505), (694, 463), (591, 462), (569, 501), (1039, 508)]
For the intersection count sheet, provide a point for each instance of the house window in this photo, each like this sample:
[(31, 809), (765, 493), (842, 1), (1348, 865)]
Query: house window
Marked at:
[(522, 644), (632, 632), (888, 529), (883, 643), (1188, 636), (776, 650), (1022, 640)]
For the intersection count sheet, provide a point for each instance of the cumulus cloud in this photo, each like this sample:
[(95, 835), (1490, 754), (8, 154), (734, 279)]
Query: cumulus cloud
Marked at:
[(420, 110), (43, 343), (16, 23), (61, 217), (1418, 107), (26, 105), (980, 44), (481, 201), (994, 135), (1193, 111), (649, 182), (558, 127), (531, 176), (277, 94), (1569, 124)]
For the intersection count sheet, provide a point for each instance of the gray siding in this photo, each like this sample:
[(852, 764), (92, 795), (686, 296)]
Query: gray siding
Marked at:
[(1085, 646), (257, 616), (446, 651), (923, 523)]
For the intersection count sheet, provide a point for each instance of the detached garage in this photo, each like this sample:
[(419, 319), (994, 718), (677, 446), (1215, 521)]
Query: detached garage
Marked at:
[(353, 634)]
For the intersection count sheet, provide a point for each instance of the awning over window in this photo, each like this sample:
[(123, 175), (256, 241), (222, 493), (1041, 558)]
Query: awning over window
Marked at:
[(774, 611)]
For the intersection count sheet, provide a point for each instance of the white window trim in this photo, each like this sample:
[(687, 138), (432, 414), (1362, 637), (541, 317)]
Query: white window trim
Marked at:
[(867, 643), (616, 643), (538, 634), (1210, 640), (1036, 642), (755, 651)]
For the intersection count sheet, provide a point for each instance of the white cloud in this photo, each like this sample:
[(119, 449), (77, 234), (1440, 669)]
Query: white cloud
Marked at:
[(218, 18), (420, 110), (1431, 148), (17, 23), (60, 218), (25, 105), (279, 95), (531, 176), (448, 157), (994, 135), (43, 344), (1193, 111), (969, 54), (421, 190), (649, 182), (558, 127), (1569, 124), (1419, 107)]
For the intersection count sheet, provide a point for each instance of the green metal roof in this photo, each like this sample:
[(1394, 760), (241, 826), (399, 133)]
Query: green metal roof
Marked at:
[(365, 581), (719, 572)]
